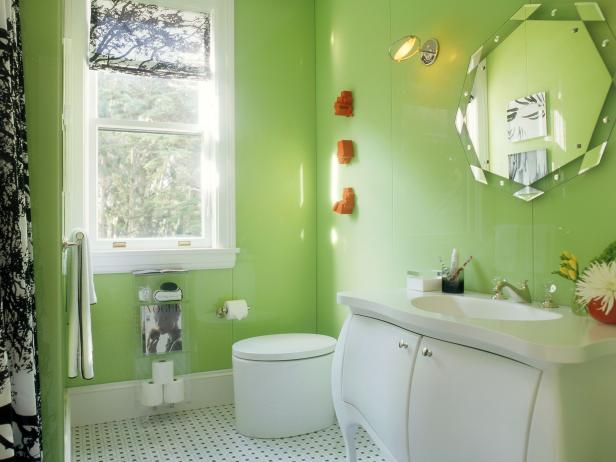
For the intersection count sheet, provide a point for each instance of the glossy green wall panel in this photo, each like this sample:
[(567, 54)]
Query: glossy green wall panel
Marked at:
[(581, 215), (437, 203), (353, 251), (116, 327), (41, 34), (431, 203), (275, 207), (275, 93), (275, 167)]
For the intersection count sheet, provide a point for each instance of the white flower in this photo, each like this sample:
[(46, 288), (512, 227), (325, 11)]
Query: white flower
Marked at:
[(598, 282)]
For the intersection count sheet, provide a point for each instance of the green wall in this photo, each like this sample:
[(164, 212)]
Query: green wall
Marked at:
[(415, 194), (41, 33), (276, 269)]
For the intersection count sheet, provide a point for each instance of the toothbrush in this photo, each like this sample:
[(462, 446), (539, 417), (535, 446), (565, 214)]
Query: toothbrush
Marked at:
[(453, 266), (459, 270)]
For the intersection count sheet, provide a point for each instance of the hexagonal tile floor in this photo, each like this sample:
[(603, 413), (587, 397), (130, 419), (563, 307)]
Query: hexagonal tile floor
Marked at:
[(206, 435)]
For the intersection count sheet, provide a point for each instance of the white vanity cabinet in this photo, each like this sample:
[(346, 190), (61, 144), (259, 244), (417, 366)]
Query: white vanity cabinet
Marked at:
[(376, 378), (468, 405), (442, 378), (425, 400)]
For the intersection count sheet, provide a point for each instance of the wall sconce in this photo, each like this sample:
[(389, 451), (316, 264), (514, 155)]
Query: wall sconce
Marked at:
[(407, 46)]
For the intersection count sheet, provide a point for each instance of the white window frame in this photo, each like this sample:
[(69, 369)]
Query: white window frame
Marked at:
[(209, 205), (80, 130)]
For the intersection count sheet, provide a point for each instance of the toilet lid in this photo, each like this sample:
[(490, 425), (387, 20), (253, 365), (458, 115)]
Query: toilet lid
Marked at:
[(284, 347)]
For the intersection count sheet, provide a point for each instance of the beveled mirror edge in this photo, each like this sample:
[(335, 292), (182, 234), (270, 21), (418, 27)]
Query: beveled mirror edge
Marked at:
[(578, 166)]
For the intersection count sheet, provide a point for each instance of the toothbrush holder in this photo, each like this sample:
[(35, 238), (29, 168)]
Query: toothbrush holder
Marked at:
[(451, 285)]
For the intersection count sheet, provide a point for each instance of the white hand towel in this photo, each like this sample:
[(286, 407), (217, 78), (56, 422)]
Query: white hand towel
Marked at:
[(81, 295)]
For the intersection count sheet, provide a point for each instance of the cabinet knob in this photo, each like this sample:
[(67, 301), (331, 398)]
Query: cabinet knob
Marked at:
[(426, 352), (402, 344)]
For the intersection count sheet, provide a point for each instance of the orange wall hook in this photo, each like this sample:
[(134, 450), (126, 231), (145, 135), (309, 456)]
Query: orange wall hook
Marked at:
[(347, 204), (345, 151), (344, 104)]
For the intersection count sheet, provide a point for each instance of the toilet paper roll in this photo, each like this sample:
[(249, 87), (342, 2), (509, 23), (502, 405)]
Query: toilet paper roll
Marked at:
[(151, 393), (174, 392), (236, 309), (162, 371)]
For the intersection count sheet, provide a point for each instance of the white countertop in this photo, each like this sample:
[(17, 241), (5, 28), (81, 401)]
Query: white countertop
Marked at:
[(569, 339)]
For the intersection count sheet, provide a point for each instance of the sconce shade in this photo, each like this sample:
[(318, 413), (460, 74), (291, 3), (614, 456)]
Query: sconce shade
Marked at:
[(404, 48), (409, 45)]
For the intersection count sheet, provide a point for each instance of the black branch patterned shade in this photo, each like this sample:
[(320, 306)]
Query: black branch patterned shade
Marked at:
[(142, 39)]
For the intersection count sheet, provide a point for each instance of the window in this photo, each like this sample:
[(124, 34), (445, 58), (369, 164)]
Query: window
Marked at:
[(149, 99)]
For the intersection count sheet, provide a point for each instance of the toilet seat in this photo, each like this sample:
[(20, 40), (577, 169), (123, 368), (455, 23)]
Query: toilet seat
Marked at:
[(284, 347)]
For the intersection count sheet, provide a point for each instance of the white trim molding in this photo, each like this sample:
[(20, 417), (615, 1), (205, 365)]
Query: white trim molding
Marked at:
[(68, 434), (126, 261), (215, 248), (93, 404)]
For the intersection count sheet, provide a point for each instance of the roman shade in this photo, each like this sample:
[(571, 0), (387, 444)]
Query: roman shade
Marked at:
[(144, 39)]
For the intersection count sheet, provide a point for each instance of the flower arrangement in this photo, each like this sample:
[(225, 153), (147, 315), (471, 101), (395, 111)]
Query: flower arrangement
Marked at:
[(608, 255), (596, 288), (569, 270), (568, 266)]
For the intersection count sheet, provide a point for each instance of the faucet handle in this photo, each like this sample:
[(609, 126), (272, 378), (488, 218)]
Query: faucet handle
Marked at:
[(550, 290), (497, 280), (498, 288)]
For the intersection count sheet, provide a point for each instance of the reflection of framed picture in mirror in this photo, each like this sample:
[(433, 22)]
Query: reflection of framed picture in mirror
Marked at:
[(526, 118), (528, 167)]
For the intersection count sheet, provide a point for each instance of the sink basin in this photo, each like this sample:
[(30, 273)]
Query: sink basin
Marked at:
[(479, 308)]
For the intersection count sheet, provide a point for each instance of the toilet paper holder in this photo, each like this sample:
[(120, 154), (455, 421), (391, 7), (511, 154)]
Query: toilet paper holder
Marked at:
[(223, 310)]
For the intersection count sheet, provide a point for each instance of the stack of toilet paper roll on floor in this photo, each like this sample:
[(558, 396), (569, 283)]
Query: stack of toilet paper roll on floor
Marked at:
[(164, 387)]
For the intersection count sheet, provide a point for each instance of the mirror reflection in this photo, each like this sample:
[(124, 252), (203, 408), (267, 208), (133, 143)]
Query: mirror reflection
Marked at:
[(535, 95)]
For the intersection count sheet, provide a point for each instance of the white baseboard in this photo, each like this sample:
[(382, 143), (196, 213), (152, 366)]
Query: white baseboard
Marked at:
[(68, 435), (120, 400)]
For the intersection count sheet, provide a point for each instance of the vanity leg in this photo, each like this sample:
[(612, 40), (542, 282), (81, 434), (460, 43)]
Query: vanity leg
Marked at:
[(349, 433)]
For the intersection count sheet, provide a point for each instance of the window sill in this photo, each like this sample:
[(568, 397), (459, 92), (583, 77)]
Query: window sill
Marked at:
[(126, 261)]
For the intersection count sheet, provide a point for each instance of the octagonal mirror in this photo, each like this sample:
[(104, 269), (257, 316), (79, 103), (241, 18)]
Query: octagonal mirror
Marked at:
[(537, 106)]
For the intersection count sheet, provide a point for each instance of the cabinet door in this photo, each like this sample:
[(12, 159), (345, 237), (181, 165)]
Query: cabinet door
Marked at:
[(469, 406), (376, 377)]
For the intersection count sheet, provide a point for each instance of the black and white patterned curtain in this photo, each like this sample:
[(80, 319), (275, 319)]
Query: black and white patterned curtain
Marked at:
[(143, 39), (20, 422)]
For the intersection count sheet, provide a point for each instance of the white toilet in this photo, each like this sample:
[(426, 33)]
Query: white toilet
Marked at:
[(282, 384)]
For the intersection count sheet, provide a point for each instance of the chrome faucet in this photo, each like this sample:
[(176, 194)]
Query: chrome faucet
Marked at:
[(523, 292)]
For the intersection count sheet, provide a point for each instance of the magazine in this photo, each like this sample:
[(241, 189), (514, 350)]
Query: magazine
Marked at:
[(161, 328)]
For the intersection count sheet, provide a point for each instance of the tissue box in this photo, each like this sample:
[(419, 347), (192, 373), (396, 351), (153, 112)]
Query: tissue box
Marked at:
[(423, 281)]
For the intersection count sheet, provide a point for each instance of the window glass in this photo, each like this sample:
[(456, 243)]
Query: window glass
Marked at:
[(148, 99), (149, 185)]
